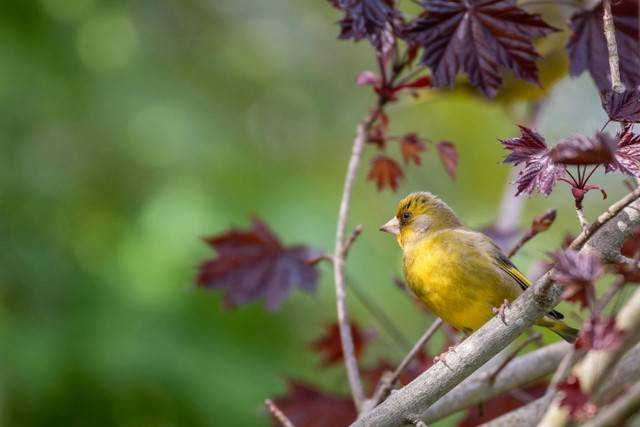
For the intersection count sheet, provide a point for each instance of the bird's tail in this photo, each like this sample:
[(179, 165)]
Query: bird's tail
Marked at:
[(565, 331)]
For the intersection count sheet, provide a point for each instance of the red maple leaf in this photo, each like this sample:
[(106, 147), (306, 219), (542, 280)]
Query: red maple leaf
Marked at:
[(540, 172), (411, 146), (600, 334), (622, 107), (572, 398), (254, 264), (385, 172), (307, 406), (587, 46), (582, 150), (449, 157), (330, 345), (577, 271), (627, 156), (477, 37)]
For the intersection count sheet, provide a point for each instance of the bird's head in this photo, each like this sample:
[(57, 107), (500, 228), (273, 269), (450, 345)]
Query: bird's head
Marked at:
[(419, 214)]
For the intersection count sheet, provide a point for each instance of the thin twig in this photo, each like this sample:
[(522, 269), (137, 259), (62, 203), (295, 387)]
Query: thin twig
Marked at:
[(612, 211), (538, 225), (584, 224), (534, 337), (612, 46), (386, 383), (352, 238), (381, 317), (346, 338), (278, 414)]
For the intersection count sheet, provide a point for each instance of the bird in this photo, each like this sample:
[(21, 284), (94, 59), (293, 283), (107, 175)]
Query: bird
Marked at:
[(461, 275)]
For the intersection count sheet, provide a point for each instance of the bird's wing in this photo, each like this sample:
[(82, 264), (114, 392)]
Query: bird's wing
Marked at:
[(505, 264)]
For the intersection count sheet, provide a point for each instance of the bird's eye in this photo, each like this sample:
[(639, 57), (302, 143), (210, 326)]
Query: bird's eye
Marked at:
[(406, 215)]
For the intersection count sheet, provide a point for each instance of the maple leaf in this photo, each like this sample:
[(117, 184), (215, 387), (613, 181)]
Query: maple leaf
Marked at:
[(503, 403), (600, 334), (587, 46), (307, 406), (254, 264), (622, 107), (374, 20), (581, 150), (540, 172), (577, 271), (330, 345), (385, 172), (477, 37), (627, 156), (449, 157), (411, 147), (572, 398)]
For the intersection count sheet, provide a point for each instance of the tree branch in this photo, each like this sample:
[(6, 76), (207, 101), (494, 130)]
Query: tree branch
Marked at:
[(625, 373), (477, 388), (495, 335), (339, 260), (386, 383), (612, 47)]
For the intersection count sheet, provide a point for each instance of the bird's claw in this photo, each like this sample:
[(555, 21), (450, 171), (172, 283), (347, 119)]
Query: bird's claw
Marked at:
[(501, 310)]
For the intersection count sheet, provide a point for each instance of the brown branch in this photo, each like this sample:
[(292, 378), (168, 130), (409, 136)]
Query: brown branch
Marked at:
[(278, 414), (477, 389), (346, 338), (612, 47), (352, 238), (387, 382), (538, 225), (494, 335)]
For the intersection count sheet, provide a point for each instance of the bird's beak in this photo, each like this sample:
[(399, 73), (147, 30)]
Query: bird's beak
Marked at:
[(392, 226)]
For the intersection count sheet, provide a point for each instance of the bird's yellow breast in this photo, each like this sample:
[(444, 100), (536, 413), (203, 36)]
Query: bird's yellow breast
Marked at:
[(456, 279)]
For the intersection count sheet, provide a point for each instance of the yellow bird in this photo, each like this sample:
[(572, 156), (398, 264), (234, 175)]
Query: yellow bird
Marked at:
[(461, 275)]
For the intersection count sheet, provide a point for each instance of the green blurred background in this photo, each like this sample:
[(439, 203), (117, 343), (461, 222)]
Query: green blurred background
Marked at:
[(131, 130)]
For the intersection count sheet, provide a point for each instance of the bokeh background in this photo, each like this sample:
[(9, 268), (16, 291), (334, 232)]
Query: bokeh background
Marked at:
[(131, 130)]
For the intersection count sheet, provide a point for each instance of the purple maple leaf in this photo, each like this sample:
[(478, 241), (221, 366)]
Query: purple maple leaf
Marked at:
[(582, 150), (540, 172), (622, 107), (254, 264), (374, 20), (587, 46), (600, 334), (577, 271), (627, 156), (477, 37)]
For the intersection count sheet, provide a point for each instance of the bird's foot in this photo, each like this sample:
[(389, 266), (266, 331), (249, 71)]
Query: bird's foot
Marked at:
[(443, 357), (500, 311)]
